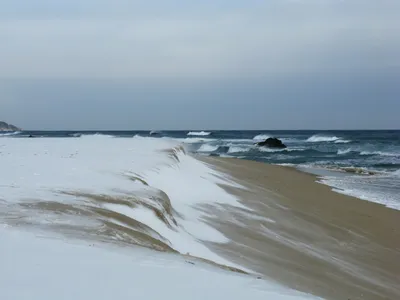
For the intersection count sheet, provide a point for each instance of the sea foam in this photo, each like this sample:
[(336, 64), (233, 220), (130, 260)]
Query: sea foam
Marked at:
[(380, 153), (208, 148), (322, 138), (344, 151), (261, 137), (199, 133)]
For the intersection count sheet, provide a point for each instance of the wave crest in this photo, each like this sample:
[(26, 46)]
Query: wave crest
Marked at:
[(238, 149), (95, 135), (199, 133), (5, 133), (208, 148), (396, 173), (380, 153), (155, 132), (261, 137), (322, 138), (340, 141), (343, 152)]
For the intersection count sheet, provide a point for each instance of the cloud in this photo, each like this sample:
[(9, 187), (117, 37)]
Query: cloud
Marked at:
[(132, 39)]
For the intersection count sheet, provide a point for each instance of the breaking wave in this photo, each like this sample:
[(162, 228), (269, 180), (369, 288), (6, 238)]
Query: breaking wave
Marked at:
[(94, 135), (321, 138), (396, 173), (199, 133), (238, 149), (261, 137), (5, 133), (155, 132), (342, 141), (380, 153), (355, 170), (345, 151), (208, 148)]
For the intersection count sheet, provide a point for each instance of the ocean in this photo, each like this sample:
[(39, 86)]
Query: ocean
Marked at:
[(360, 163)]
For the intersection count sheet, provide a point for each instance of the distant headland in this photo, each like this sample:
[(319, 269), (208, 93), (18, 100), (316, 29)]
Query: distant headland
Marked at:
[(8, 127)]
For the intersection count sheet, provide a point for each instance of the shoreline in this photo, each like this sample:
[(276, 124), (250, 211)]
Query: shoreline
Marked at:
[(306, 236)]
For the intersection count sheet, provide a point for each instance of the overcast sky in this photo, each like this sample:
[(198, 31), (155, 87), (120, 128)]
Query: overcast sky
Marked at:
[(227, 64)]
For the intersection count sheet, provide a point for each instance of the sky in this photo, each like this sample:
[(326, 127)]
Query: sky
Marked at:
[(272, 64)]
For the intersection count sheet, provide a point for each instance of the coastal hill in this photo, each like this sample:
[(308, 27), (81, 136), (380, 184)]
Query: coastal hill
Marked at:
[(8, 127)]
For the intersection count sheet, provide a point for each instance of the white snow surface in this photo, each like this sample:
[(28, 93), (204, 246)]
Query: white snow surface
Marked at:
[(52, 266), (42, 268), (43, 168)]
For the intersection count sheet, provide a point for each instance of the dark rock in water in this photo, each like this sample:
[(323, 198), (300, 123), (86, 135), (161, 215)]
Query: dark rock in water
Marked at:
[(223, 149), (272, 143), (214, 154)]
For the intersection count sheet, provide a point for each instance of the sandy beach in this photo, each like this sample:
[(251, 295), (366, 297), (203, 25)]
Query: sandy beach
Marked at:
[(304, 235)]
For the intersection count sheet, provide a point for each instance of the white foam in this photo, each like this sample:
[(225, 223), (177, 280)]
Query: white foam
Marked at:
[(342, 141), (381, 153), (383, 189), (96, 135), (155, 132), (207, 148), (286, 165), (38, 268), (6, 133), (266, 149), (261, 137), (199, 133), (238, 149), (321, 138), (344, 151)]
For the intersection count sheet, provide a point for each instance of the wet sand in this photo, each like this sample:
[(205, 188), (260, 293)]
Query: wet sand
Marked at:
[(306, 236)]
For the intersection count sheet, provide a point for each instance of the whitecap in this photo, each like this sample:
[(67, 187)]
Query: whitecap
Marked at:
[(96, 135), (381, 153), (199, 133), (237, 149), (396, 173), (261, 137), (322, 138), (266, 149), (345, 151), (342, 141), (6, 133), (153, 132), (207, 148)]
